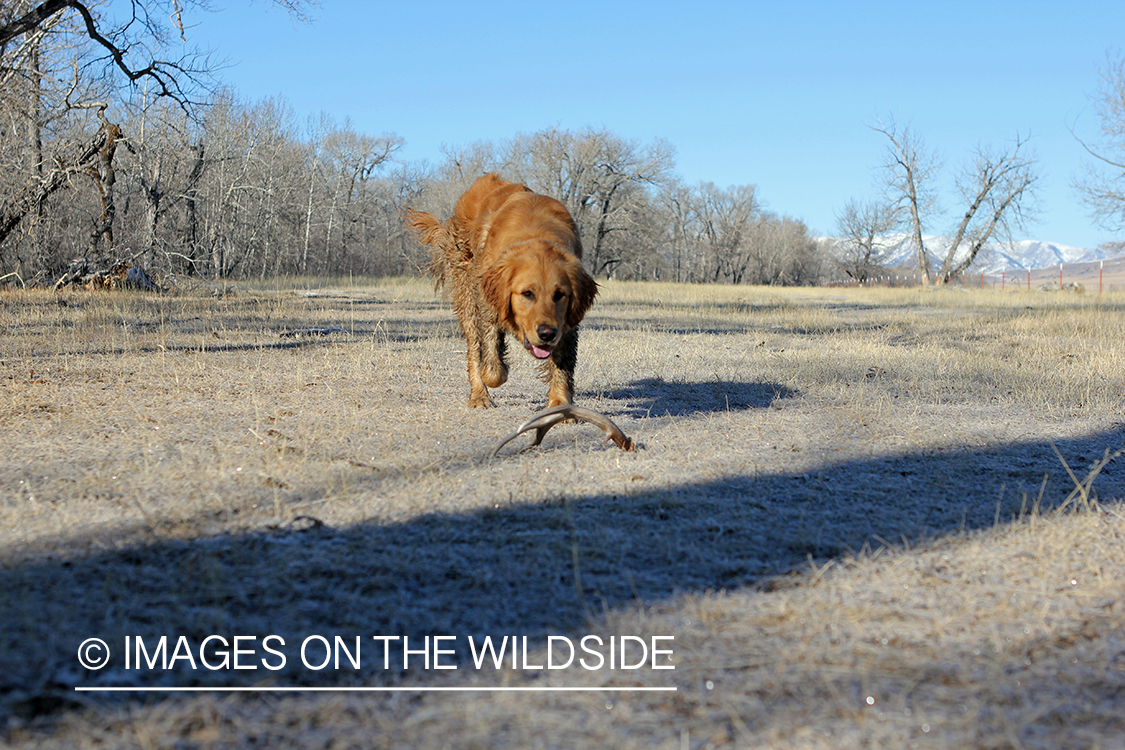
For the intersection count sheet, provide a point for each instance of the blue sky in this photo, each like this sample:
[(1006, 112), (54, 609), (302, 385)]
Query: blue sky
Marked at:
[(775, 94)]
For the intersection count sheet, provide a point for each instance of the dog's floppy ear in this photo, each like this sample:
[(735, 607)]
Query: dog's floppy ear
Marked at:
[(585, 289), (496, 286)]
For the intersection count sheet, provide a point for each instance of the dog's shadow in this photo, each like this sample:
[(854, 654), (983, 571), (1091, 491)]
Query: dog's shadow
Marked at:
[(657, 397)]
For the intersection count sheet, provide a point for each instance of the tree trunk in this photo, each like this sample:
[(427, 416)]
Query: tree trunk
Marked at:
[(35, 194), (191, 200), (105, 178)]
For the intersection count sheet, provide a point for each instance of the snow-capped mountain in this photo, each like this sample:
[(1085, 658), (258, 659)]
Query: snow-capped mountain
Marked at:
[(1033, 254), (899, 250)]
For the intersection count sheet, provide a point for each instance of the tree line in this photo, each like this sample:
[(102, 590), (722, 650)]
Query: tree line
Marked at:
[(244, 190), (155, 174)]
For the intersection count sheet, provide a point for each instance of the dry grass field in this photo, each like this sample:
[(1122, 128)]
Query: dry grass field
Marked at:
[(867, 518)]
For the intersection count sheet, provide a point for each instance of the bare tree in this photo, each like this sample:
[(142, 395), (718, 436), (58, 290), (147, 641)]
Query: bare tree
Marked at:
[(909, 169), (39, 80), (727, 218), (13, 211), (392, 250), (677, 207), (860, 252), (624, 171), (253, 199), (354, 158), (997, 188), (461, 167), (1103, 186), (602, 179), (162, 169), (780, 252), (62, 63), (144, 29)]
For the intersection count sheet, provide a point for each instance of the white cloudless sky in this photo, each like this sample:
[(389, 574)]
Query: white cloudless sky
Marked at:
[(775, 94)]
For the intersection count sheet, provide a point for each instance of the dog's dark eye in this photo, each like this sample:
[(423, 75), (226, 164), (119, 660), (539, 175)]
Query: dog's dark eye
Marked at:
[(559, 294), (530, 295)]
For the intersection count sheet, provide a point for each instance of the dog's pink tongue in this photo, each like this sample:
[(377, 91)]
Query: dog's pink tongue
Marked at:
[(539, 352)]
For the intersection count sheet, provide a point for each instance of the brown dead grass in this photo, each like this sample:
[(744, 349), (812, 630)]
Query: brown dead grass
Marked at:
[(846, 511)]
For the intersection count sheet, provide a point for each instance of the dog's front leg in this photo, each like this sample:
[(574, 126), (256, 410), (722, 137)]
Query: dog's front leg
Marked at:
[(475, 330), (559, 372), (487, 348), (494, 348), (478, 393)]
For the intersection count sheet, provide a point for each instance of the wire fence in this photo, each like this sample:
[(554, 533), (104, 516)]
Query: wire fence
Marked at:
[(1092, 276)]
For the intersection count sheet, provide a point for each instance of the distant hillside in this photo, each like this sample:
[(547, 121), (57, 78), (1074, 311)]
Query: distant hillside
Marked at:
[(1029, 262), (995, 257)]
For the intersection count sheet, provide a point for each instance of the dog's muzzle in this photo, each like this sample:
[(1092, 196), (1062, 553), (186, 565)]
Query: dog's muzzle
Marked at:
[(548, 335)]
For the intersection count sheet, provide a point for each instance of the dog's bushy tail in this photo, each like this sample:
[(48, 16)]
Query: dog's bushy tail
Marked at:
[(440, 238)]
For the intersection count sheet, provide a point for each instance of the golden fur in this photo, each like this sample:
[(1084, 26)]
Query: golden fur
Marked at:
[(511, 262)]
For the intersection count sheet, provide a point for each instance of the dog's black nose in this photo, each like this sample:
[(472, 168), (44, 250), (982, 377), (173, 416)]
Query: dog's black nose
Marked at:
[(546, 333)]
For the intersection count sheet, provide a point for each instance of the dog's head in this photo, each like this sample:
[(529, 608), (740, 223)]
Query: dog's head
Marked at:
[(539, 292)]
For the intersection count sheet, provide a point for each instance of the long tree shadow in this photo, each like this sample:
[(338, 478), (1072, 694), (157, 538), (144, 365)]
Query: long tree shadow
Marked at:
[(293, 334), (518, 570)]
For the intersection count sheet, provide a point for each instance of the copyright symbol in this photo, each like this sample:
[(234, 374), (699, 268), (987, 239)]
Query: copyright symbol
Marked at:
[(93, 653)]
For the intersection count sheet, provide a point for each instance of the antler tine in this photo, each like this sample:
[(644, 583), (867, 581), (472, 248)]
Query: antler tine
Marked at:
[(548, 418)]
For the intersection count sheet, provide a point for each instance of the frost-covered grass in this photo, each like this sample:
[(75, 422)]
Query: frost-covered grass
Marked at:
[(845, 510)]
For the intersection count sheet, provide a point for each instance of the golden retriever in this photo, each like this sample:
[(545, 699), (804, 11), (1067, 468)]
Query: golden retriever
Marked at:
[(511, 261)]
